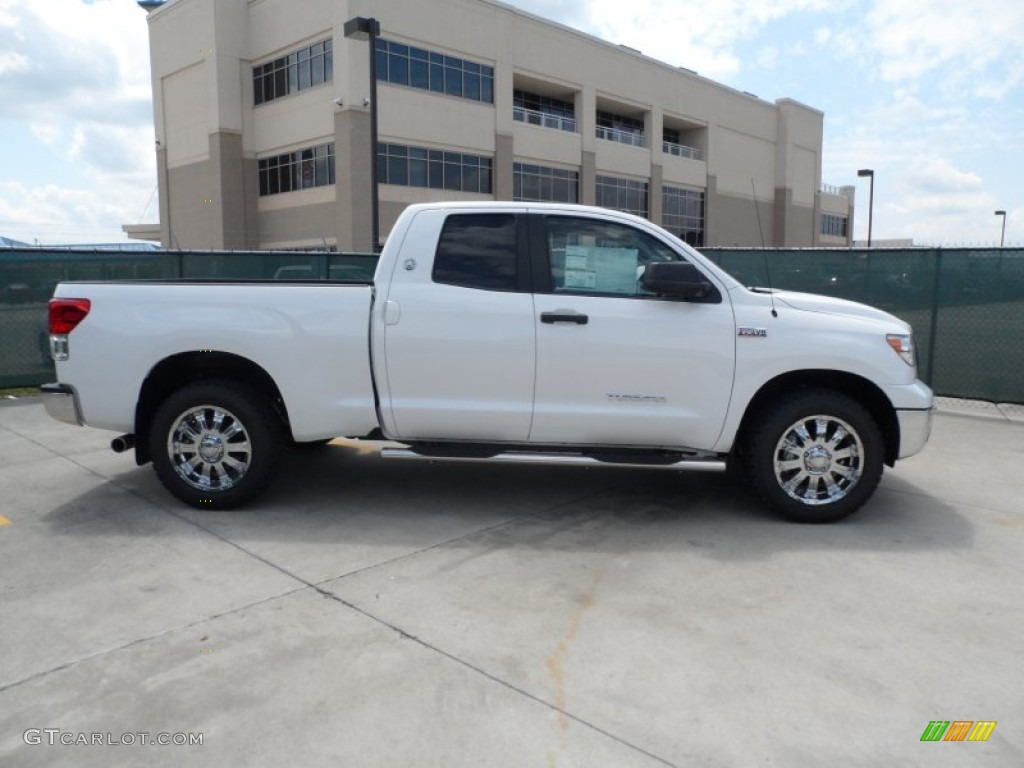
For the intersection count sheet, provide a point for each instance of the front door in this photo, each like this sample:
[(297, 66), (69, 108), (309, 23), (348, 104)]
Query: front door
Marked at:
[(617, 366)]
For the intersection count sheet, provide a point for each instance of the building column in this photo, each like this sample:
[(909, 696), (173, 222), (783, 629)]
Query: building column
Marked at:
[(230, 200), (588, 178), (163, 187), (655, 198), (503, 180), (783, 203), (353, 149)]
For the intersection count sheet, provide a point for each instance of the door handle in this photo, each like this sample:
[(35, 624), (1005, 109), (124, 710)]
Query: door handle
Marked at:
[(564, 316)]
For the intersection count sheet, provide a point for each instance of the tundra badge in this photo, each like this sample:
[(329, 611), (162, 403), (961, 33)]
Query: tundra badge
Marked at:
[(759, 333)]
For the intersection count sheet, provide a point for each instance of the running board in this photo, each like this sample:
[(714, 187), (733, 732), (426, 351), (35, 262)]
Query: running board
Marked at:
[(557, 459)]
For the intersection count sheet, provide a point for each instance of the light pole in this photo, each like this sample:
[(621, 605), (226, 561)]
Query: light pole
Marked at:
[(871, 198), (360, 28), (1002, 237)]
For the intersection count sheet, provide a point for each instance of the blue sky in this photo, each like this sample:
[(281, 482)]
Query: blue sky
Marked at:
[(928, 93)]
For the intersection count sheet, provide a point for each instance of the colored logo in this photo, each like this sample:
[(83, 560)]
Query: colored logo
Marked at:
[(958, 730)]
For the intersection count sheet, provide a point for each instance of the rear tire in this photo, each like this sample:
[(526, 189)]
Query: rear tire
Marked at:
[(814, 457), (216, 444)]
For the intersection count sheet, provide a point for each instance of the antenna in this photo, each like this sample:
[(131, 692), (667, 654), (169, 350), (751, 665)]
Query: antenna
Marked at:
[(764, 253), (757, 208)]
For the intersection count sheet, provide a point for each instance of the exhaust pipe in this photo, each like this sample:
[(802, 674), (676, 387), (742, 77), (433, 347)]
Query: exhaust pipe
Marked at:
[(122, 443)]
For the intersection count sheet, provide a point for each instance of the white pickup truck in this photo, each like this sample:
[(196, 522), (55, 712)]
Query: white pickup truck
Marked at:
[(498, 332)]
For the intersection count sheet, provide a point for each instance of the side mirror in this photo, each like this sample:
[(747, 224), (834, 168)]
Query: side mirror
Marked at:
[(680, 280)]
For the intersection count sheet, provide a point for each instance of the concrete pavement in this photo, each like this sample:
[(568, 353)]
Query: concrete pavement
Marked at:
[(367, 613)]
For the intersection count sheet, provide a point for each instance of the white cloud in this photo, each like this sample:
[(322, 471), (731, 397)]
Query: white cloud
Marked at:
[(768, 58), (74, 59), (114, 149), (968, 43), (7, 17), (690, 33), (56, 214), (938, 174), (12, 62), (970, 50), (76, 75), (922, 191), (48, 133)]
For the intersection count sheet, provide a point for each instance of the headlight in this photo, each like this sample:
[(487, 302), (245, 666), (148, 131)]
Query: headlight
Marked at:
[(903, 345)]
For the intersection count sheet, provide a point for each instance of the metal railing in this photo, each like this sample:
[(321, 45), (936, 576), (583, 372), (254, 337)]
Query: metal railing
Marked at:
[(829, 189), (631, 138), (544, 119), (681, 150)]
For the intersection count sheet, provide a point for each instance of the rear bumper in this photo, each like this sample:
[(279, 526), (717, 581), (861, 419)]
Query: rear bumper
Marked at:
[(915, 429), (61, 403)]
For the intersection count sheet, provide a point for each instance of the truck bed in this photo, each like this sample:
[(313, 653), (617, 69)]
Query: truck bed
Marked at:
[(311, 338)]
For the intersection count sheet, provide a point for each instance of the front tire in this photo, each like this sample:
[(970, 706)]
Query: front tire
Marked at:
[(815, 457), (216, 444)]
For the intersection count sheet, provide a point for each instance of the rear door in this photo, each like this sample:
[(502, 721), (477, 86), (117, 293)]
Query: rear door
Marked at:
[(459, 338), (617, 366)]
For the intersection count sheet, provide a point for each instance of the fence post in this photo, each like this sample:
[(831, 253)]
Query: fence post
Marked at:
[(936, 286)]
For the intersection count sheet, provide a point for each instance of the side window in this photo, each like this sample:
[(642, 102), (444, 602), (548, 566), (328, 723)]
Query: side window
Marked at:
[(477, 251), (600, 257)]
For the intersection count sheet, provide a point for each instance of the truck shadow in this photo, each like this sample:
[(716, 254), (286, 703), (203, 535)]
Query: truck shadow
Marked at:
[(343, 496)]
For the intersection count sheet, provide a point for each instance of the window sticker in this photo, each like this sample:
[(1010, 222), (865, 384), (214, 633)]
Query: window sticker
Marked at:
[(602, 270)]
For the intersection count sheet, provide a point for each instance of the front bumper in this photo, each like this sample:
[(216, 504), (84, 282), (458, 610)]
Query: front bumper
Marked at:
[(61, 403), (915, 429), (914, 404)]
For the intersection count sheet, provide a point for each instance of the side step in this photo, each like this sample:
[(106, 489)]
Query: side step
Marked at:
[(559, 459)]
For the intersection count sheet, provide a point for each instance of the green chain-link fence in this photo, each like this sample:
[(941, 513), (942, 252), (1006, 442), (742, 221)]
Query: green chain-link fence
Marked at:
[(966, 305)]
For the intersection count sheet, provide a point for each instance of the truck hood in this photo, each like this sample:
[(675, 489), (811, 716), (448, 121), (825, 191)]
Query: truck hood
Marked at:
[(810, 302)]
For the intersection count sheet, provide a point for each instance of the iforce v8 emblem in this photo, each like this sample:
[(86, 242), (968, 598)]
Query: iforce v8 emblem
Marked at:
[(757, 333)]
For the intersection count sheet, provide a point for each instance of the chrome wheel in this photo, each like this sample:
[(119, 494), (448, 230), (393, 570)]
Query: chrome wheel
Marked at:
[(818, 460), (209, 448)]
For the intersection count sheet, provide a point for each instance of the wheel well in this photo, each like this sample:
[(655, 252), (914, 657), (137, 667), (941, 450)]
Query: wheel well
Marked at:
[(174, 372), (857, 387)]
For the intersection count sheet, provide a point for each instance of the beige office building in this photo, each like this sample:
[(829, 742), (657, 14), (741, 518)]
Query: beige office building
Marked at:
[(264, 140)]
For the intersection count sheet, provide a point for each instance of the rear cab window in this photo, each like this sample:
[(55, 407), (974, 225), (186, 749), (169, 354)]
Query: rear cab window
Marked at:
[(482, 251)]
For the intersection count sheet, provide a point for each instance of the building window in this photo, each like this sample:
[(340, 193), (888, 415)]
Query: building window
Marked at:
[(544, 111), (537, 183), (418, 68), (625, 130), (302, 69), (682, 214), (477, 251), (433, 169), (834, 225), (622, 194), (302, 169)]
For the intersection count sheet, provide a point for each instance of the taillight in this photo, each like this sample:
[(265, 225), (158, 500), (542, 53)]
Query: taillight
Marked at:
[(65, 314)]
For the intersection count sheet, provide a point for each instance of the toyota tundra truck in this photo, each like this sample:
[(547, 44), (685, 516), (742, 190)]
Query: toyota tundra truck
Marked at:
[(515, 332)]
